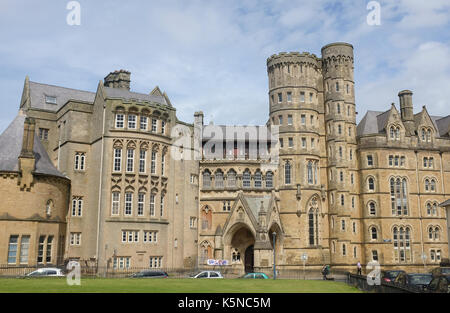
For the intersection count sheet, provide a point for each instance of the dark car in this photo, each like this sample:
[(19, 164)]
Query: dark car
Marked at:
[(439, 284), (418, 281), (150, 274), (390, 276)]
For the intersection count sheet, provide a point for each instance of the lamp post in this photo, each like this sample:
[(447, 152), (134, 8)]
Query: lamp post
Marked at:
[(274, 234)]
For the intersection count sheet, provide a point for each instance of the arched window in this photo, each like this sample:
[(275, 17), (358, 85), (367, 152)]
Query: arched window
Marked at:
[(392, 133), (427, 184), (258, 179), (206, 179), (373, 233), (313, 227), (429, 135), (218, 179), (371, 184), (206, 218), (231, 178), (287, 173), (49, 208), (269, 180), (372, 208), (246, 179), (432, 185), (235, 256)]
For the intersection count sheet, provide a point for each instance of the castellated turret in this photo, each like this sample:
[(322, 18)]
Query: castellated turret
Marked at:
[(118, 79)]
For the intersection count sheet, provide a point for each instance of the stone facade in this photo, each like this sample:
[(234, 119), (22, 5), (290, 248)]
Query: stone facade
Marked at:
[(341, 192)]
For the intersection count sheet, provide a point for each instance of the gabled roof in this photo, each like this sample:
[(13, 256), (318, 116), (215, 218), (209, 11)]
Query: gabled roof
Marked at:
[(39, 91), (11, 146), (370, 124), (442, 124)]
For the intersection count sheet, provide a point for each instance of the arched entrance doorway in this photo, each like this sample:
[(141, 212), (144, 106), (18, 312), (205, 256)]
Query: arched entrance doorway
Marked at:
[(239, 243), (249, 259)]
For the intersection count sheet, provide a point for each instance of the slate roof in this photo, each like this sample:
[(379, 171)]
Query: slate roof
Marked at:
[(39, 91), (445, 204), (129, 95), (254, 203), (375, 121), (11, 146)]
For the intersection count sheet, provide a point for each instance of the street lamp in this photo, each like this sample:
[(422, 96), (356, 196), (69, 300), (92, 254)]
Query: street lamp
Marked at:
[(274, 234)]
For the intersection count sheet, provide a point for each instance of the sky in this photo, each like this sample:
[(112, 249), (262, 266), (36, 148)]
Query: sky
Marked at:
[(211, 55)]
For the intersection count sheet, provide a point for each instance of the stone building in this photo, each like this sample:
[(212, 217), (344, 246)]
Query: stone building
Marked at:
[(148, 190)]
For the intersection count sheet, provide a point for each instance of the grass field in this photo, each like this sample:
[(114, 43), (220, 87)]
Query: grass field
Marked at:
[(59, 285)]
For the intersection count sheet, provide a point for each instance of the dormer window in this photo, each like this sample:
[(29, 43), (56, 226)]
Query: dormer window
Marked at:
[(50, 99)]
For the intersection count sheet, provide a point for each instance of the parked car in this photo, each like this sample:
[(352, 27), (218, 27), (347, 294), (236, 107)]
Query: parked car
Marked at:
[(389, 276), (419, 281), (150, 274), (46, 272), (439, 284), (255, 276), (208, 274)]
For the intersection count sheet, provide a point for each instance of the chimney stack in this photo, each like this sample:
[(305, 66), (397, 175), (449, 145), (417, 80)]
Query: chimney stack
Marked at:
[(118, 79), (26, 157), (406, 109)]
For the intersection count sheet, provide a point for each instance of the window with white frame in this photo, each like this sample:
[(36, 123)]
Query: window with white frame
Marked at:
[(193, 222), (24, 249), (163, 127), (117, 160), (128, 203), (120, 118), (43, 133), (143, 123), (121, 263), (152, 205), (75, 239), (142, 160), (163, 163), (150, 236), (154, 127), (132, 121), (162, 205), (153, 163), (155, 262), (77, 206), (115, 203), (80, 161), (130, 236), (12, 249), (141, 202), (130, 160)]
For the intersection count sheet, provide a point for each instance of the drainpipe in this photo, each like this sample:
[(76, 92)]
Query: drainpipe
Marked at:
[(100, 188)]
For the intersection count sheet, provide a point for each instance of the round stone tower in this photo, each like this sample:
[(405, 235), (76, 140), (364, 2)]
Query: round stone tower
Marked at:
[(340, 123), (296, 106)]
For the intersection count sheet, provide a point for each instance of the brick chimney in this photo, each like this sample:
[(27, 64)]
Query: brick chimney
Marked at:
[(118, 79)]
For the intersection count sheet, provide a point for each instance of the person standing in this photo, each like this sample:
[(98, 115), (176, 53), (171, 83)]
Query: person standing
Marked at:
[(359, 268)]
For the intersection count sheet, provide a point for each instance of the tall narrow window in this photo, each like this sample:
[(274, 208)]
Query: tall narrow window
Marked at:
[(141, 200), (269, 180), (246, 177), (143, 123), (117, 160), (77, 206), (12, 249), (313, 226), (206, 179), (219, 179), (128, 203), (231, 178), (40, 254), (130, 160), (24, 249), (310, 173), (154, 129), (152, 205), (162, 205), (287, 173), (258, 179), (163, 164), (48, 254), (115, 204), (142, 158), (153, 164), (163, 127), (80, 161)]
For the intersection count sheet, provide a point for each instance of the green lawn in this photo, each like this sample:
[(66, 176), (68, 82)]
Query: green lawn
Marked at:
[(126, 285)]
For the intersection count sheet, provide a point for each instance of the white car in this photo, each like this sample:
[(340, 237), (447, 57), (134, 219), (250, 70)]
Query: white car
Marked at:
[(208, 274), (46, 272)]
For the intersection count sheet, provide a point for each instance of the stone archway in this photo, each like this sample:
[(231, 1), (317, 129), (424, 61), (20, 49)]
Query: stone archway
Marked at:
[(238, 245)]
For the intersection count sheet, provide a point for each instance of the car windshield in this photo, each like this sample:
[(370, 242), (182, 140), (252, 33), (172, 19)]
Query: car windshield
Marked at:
[(420, 279), (393, 274)]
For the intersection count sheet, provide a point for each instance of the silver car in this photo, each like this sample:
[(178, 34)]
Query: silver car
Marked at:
[(208, 274), (46, 272)]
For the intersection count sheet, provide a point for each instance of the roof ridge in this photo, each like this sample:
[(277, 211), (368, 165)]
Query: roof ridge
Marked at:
[(50, 85)]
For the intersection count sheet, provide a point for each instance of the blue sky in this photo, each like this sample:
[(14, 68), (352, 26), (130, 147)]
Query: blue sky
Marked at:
[(211, 55)]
